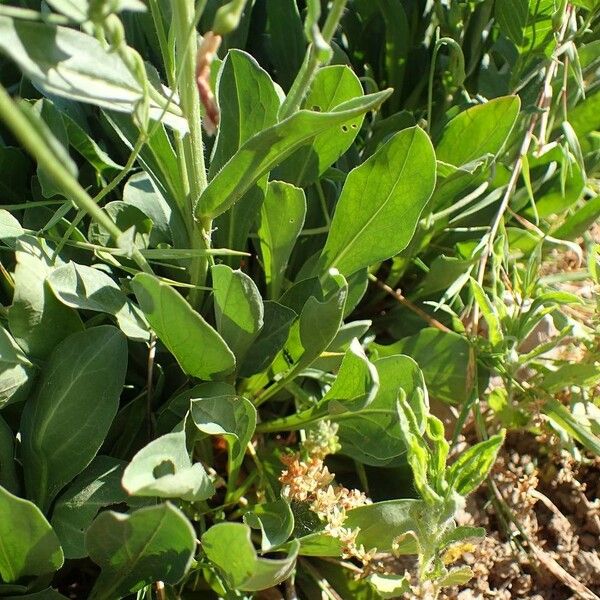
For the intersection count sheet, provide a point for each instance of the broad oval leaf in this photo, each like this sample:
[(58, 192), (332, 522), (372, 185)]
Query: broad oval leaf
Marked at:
[(379, 524), (443, 358), (156, 543), (28, 545), (37, 320), (97, 487), (248, 101), (314, 329), (65, 422), (281, 220), (243, 569), (381, 203), (262, 152), (233, 417), (198, 348), (274, 519), (238, 309), (85, 288), (479, 130), (373, 435), (163, 468), (356, 384)]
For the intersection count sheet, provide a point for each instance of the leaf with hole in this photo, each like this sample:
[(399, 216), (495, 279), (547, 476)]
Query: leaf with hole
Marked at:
[(163, 468), (265, 150)]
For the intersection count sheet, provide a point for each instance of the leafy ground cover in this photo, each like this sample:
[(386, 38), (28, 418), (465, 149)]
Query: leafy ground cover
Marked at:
[(299, 299)]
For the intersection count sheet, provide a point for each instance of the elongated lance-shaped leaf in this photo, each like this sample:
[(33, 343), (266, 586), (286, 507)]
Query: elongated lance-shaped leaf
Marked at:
[(381, 203), (65, 422), (239, 309), (270, 147), (198, 348), (281, 219)]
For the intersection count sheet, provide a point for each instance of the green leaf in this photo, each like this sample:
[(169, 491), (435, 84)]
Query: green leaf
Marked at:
[(8, 472), (163, 468), (243, 569), (356, 383), (286, 39), (470, 469), (480, 130), (248, 101), (10, 229), (461, 533), (389, 586), (64, 62), (274, 519), (198, 348), (379, 525), (396, 49), (331, 87), (175, 410), (65, 423), (270, 147), (127, 217), (511, 16), (70, 64), (381, 203), (457, 576), (443, 357), (156, 543), (584, 375), (80, 10), (167, 224), (277, 322), (37, 320), (281, 220), (314, 329), (98, 487), (28, 545), (489, 312), (233, 417), (238, 309), (579, 429), (372, 435), (580, 221), (16, 372), (87, 288)]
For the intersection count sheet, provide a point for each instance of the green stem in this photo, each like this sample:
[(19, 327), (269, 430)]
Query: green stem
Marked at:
[(34, 143), (193, 149), (311, 63), (293, 422)]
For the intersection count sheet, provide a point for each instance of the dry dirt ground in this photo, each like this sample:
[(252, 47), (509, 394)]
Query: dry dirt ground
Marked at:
[(557, 503)]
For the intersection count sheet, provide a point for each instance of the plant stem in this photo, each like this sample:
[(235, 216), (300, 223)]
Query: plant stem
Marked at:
[(34, 143), (311, 63), (193, 148)]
